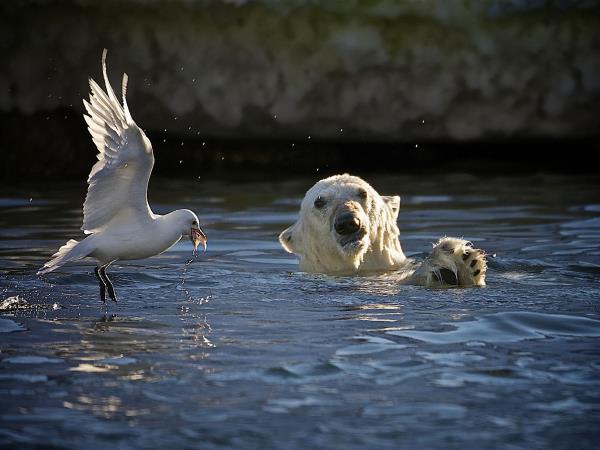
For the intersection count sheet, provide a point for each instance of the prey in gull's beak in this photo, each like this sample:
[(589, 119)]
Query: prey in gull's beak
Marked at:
[(198, 236)]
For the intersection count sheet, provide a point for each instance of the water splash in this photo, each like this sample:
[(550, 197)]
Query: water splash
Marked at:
[(182, 286), (15, 302)]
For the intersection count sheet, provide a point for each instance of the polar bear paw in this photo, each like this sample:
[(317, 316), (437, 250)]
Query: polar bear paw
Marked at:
[(455, 262)]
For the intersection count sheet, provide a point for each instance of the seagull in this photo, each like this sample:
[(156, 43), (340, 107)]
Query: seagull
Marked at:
[(117, 218)]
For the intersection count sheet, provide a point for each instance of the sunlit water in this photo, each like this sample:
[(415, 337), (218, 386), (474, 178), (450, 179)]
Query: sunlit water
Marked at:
[(239, 350)]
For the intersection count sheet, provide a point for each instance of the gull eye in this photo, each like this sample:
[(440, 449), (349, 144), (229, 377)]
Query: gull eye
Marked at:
[(362, 193), (195, 223), (319, 203)]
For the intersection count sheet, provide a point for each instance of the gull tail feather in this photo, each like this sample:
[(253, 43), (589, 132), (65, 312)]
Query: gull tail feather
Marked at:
[(71, 251)]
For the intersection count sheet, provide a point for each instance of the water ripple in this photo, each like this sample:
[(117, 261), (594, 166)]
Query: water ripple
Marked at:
[(509, 327)]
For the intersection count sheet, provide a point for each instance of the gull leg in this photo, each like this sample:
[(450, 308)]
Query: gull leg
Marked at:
[(109, 285), (102, 285)]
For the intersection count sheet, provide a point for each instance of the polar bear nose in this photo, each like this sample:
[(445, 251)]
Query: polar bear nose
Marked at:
[(346, 223)]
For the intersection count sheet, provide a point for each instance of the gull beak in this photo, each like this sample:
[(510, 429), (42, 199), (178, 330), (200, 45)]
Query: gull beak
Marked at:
[(198, 237)]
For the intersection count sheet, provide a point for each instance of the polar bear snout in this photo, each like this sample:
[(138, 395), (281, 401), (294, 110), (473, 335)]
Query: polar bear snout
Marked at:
[(346, 223)]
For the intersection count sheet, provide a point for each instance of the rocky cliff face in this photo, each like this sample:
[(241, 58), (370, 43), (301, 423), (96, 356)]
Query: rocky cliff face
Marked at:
[(358, 69)]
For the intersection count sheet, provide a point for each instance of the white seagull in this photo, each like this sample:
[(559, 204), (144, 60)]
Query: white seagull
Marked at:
[(116, 215)]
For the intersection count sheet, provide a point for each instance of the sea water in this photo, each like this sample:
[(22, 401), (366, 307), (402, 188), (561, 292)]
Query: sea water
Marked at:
[(237, 349)]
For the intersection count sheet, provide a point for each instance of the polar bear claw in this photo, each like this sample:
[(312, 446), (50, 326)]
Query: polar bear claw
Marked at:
[(453, 262)]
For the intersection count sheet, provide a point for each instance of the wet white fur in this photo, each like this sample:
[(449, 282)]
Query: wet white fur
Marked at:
[(313, 238)]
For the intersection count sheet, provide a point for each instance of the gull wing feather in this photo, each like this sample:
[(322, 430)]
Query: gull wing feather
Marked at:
[(118, 182)]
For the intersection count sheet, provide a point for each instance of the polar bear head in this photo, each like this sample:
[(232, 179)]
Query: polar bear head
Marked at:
[(345, 227)]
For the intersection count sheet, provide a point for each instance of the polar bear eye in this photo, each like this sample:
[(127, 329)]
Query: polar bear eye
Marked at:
[(319, 203), (362, 193)]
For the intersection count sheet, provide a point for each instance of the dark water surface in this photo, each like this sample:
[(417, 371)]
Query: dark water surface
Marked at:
[(239, 350)]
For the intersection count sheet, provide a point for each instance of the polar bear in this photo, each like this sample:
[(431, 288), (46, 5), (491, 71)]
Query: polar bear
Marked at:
[(345, 227)]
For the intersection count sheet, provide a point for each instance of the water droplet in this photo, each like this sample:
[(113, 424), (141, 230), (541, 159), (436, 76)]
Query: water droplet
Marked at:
[(423, 121), (203, 144), (30, 199), (309, 137), (182, 144), (180, 161), (341, 130), (416, 145), (165, 140), (293, 145), (275, 116), (222, 158), (317, 169)]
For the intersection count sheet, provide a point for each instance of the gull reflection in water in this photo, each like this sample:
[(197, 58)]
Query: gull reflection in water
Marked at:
[(115, 349)]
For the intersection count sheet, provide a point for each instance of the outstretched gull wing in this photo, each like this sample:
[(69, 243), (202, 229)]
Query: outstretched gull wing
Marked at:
[(118, 182)]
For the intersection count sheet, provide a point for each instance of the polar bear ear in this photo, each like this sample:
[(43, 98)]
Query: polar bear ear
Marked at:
[(290, 240), (393, 201)]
